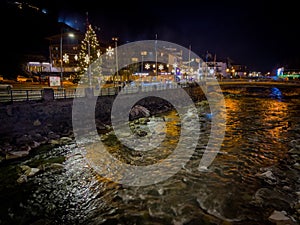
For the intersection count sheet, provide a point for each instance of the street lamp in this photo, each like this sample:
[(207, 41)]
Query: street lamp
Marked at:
[(61, 60), (115, 39), (89, 65), (143, 53), (61, 56)]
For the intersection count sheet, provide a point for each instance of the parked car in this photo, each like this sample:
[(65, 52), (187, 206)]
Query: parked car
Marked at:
[(6, 87), (24, 79)]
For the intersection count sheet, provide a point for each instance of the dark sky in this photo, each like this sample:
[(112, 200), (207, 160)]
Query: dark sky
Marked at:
[(259, 34)]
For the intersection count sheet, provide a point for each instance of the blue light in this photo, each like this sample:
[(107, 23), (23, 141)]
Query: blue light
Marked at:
[(71, 22), (66, 21), (276, 93), (209, 116), (279, 71)]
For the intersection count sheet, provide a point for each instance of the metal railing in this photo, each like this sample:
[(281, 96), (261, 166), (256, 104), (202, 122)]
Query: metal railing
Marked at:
[(68, 93), (15, 95), (21, 95)]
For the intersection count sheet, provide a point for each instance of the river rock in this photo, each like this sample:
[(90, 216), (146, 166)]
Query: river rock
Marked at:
[(139, 111), (266, 197), (33, 171), (28, 171), (65, 140), (37, 123), (22, 179), (268, 176), (16, 154), (280, 218)]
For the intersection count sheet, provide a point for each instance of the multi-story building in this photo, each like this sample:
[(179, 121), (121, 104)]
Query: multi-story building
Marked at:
[(64, 49)]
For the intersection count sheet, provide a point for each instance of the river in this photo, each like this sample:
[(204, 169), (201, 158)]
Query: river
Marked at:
[(255, 174)]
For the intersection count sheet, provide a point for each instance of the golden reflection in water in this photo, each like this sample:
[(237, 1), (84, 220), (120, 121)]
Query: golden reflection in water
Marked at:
[(233, 137), (256, 130), (232, 116), (111, 145), (274, 117), (271, 114), (109, 156)]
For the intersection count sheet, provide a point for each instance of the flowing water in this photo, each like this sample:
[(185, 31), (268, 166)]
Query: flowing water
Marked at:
[(261, 127)]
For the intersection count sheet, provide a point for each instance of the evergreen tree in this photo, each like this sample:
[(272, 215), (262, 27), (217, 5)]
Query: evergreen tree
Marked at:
[(89, 49)]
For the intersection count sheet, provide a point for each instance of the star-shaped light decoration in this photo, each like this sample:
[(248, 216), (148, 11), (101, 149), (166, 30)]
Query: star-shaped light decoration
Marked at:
[(109, 51), (87, 59), (161, 67), (147, 66), (66, 58)]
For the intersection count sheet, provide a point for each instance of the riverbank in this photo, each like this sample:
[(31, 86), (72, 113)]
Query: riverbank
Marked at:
[(27, 125), (253, 83)]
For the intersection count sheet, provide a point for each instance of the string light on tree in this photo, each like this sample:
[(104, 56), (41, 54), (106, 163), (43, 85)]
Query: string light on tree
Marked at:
[(87, 59), (88, 49)]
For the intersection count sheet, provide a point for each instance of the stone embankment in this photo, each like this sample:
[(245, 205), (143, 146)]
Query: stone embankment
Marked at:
[(27, 125)]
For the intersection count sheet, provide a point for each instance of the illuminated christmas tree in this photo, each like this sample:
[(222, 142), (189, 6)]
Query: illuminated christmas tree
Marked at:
[(89, 51)]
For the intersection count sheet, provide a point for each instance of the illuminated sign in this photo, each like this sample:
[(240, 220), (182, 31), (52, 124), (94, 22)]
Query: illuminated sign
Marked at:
[(54, 81), (141, 74), (280, 71)]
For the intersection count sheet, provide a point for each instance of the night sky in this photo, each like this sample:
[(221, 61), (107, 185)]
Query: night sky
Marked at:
[(258, 34)]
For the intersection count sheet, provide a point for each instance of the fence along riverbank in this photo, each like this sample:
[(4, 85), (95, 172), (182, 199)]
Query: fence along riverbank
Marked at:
[(14, 95)]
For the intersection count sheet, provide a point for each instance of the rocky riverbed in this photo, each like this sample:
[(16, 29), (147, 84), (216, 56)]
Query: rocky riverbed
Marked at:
[(254, 180)]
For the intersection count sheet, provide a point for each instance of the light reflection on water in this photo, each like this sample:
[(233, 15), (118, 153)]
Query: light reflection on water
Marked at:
[(258, 131)]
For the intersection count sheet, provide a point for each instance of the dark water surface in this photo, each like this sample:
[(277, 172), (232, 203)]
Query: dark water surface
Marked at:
[(252, 175)]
